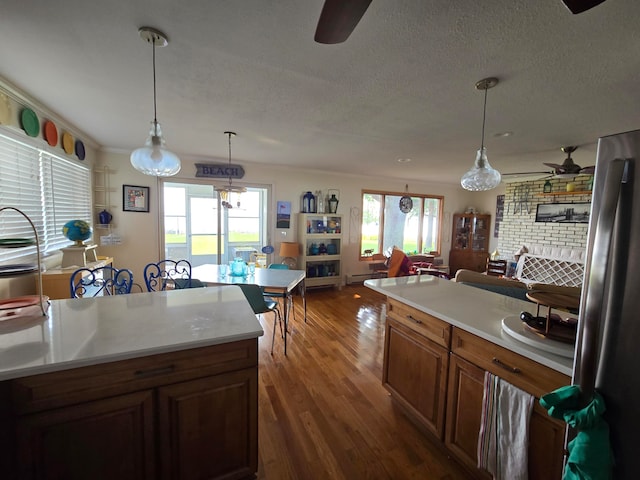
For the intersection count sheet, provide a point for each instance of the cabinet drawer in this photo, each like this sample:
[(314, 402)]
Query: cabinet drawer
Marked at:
[(50, 390), (525, 374), (429, 326)]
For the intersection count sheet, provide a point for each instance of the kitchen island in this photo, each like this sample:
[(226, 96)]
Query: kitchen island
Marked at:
[(440, 339), (148, 385)]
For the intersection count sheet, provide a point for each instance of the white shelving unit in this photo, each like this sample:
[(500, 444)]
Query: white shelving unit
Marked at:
[(102, 195), (324, 231), (102, 201)]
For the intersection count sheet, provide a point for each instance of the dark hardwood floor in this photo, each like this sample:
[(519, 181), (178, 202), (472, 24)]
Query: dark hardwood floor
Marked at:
[(323, 412)]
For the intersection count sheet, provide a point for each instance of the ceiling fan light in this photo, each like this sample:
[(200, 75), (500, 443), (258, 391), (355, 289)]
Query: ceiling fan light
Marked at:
[(481, 176), (154, 159)]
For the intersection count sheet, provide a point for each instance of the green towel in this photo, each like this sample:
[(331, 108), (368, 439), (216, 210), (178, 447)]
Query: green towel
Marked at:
[(590, 456)]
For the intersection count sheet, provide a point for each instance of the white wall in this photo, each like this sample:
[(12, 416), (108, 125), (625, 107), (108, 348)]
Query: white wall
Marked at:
[(139, 231)]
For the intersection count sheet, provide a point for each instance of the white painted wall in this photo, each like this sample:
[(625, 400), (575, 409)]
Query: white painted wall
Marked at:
[(139, 231)]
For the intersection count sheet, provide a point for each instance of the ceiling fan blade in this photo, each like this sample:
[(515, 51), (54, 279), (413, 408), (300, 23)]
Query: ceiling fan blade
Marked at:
[(338, 19), (545, 172), (579, 6), (588, 170), (555, 166)]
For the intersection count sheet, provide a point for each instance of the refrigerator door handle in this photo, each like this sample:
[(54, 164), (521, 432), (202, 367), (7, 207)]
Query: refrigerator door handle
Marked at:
[(615, 177)]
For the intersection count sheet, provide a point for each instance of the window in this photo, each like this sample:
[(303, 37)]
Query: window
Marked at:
[(385, 226), (49, 189)]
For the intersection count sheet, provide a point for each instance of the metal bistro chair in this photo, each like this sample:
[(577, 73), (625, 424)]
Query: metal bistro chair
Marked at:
[(101, 281), (287, 297), (169, 275), (260, 304)]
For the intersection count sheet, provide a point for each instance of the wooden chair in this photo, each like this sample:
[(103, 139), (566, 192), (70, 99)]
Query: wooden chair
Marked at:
[(101, 281), (169, 275), (399, 264), (496, 267)]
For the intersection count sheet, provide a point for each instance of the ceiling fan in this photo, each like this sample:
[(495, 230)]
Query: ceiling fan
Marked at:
[(579, 6), (340, 17), (568, 168), (565, 169)]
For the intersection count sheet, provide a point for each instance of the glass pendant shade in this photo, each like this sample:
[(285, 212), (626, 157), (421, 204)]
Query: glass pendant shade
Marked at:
[(154, 159), (482, 176)]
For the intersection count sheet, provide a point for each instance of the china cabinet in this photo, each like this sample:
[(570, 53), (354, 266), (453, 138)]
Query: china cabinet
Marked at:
[(469, 242), (321, 239)]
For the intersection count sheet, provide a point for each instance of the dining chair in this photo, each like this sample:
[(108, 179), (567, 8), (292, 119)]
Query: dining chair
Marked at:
[(101, 281), (169, 275), (287, 297), (261, 304), (399, 264)]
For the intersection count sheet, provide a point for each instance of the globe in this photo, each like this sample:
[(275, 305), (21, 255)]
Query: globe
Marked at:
[(77, 231)]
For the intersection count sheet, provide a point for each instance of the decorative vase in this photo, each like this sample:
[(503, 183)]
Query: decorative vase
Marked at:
[(333, 204), (308, 203), (105, 217)]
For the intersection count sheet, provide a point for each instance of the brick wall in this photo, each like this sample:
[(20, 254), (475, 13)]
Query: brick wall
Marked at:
[(518, 226)]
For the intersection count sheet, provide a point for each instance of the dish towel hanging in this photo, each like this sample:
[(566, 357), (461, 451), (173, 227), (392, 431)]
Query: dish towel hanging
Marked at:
[(503, 441)]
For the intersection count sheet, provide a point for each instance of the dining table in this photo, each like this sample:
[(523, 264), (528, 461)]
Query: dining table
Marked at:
[(271, 279)]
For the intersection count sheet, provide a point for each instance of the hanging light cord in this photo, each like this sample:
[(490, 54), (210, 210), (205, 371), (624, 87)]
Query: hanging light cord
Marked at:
[(484, 113), (155, 114), (229, 133)]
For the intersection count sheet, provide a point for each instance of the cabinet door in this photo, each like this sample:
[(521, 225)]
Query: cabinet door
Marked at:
[(546, 445), (464, 414), (464, 408), (415, 371), (105, 439), (208, 428)]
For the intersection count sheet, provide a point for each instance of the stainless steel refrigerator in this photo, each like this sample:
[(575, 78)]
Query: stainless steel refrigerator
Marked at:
[(608, 345)]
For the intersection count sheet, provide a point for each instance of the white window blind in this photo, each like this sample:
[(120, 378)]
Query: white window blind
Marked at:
[(49, 189)]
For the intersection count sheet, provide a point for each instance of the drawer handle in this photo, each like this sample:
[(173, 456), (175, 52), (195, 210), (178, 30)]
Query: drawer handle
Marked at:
[(415, 320), (155, 371), (505, 366)]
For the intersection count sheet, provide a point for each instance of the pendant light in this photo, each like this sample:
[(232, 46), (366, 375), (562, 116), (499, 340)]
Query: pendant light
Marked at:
[(225, 191), (154, 159), (482, 176)]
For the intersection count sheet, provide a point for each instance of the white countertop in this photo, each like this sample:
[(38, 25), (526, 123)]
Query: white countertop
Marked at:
[(472, 309), (89, 331)]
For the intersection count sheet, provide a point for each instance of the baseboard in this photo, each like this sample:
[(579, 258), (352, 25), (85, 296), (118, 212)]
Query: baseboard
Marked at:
[(358, 278)]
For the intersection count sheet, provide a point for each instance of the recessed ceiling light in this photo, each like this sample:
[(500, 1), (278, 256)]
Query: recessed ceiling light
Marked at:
[(404, 160), (503, 134)]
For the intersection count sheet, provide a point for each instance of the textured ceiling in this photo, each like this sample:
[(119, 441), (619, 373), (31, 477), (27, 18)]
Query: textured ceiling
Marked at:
[(402, 86)]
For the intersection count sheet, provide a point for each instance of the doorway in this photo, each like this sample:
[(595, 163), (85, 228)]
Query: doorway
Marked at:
[(197, 226)]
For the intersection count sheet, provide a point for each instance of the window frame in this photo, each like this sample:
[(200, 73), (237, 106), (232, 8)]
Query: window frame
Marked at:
[(384, 194)]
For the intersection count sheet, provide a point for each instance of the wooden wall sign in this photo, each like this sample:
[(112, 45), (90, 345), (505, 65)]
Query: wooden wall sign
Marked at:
[(219, 170)]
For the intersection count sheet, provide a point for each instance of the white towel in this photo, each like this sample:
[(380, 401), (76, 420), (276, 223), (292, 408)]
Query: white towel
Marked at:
[(503, 441)]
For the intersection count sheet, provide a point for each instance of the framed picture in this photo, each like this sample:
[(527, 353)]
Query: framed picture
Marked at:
[(499, 215), (135, 198), (284, 215), (563, 212)]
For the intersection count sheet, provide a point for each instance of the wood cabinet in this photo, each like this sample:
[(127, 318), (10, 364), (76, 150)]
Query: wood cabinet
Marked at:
[(431, 367), (415, 364), (471, 356), (469, 242), (180, 415), (321, 237), (55, 281)]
